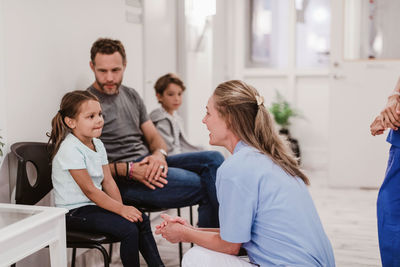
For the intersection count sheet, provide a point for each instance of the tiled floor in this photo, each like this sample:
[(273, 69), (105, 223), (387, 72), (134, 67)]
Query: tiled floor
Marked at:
[(348, 216)]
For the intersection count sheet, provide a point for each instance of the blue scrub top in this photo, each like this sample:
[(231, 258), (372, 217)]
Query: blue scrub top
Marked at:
[(394, 138), (270, 212)]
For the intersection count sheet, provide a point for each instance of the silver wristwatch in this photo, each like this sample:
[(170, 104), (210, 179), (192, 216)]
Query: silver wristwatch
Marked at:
[(162, 151)]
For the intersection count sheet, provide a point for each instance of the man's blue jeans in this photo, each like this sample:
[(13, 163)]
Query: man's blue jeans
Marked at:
[(191, 180)]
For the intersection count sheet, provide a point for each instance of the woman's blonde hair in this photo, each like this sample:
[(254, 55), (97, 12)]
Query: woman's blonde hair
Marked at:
[(69, 107), (242, 108)]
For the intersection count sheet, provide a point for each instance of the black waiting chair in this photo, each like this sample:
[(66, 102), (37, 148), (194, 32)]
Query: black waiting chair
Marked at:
[(38, 155)]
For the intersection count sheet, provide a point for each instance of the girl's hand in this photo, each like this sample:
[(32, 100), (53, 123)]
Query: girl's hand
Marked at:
[(131, 213)]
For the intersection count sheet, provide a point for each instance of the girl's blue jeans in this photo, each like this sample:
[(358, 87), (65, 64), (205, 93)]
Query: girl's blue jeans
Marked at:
[(134, 237)]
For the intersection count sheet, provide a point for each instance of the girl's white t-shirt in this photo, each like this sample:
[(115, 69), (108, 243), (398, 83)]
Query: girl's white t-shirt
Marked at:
[(74, 155)]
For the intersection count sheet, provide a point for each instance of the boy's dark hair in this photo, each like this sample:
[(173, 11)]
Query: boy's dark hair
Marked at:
[(163, 82), (107, 46)]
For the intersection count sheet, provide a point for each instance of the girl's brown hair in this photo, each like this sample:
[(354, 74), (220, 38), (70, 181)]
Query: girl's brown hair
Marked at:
[(242, 108), (69, 107)]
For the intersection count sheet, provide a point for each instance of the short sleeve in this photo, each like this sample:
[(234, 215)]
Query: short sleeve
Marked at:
[(102, 151), (236, 211), (70, 158), (165, 129), (143, 117)]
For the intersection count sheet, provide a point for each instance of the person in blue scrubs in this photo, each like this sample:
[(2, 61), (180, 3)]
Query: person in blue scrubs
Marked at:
[(265, 206), (388, 203)]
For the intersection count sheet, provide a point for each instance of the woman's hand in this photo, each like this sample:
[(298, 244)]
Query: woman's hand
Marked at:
[(131, 213), (176, 219), (172, 228), (171, 231)]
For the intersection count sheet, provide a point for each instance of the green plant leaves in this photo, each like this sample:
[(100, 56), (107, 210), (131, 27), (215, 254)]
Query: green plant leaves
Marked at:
[(282, 111)]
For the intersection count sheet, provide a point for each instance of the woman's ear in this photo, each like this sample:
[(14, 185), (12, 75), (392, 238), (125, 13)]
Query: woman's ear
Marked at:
[(70, 122)]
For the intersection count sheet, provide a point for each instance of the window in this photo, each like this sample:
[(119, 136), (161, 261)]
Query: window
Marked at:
[(278, 27), (269, 33), (313, 33)]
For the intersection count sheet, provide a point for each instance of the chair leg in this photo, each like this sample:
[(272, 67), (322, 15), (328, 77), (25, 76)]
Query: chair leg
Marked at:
[(105, 255), (180, 243), (180, 254), (110, 252), (91, 245), (73, 257), (191, 219)]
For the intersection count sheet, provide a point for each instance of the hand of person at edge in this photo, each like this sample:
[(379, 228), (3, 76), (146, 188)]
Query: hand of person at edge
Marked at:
[(157, 168), (391, 113), (139, 174), (378, 126)]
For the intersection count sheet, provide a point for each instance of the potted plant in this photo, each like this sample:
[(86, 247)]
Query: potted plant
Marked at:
[(282, 111)]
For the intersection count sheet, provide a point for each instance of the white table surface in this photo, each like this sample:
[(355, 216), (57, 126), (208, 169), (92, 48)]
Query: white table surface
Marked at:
[(25, 229)]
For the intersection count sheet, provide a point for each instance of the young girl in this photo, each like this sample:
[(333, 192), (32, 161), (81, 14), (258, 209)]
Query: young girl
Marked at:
[(83, 183), (169, 89)]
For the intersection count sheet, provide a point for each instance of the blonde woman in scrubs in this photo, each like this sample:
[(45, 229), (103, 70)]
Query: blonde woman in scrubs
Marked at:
[(265, 206)]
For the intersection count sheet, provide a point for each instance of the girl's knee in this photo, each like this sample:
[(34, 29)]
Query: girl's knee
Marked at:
[(144, 225), (145, 218)]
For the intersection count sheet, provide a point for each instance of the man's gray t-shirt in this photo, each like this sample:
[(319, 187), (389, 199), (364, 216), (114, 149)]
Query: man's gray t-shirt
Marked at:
[(123, 113)]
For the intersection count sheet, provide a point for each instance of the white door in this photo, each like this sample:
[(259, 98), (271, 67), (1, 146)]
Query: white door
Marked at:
[(359, 89)]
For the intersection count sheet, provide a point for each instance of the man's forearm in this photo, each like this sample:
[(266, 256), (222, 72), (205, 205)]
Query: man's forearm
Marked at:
[(156, 144)]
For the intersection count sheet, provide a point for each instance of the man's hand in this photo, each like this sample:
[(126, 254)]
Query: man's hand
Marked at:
[(157, 167), (131, 213), (378, 126), (139, 174), (391, 113)]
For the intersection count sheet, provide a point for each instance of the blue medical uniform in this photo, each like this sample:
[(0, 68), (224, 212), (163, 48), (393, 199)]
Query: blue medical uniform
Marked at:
[(270, 212), (388, 206)]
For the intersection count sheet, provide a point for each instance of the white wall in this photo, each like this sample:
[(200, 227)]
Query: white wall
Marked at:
[(160, 51), (46, 48)]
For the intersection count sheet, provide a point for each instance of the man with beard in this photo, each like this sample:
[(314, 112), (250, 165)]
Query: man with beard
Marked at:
[(145, 174)]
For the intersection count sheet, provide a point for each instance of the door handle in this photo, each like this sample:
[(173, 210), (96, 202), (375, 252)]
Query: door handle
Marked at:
[(338, 77)]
